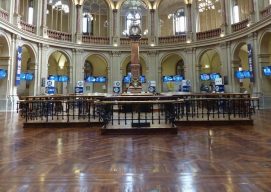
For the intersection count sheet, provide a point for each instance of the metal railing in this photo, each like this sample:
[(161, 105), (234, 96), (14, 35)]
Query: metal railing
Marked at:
[(138, 111)]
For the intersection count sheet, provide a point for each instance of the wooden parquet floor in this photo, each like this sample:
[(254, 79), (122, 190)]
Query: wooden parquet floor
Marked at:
[(197, 159)]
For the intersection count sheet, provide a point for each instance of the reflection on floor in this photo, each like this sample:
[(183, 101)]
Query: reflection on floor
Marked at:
[(225, 158)]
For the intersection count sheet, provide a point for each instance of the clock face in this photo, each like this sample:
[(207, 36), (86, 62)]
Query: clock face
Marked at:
[(135, 30)]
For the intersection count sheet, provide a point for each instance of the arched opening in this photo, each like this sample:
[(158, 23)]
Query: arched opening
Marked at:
[(134, 11), (265, 65), (4, 57), (209, 69), (172, 18), (59, 15), (209, 15), (27, 79), (241, 64), (95, 18), (59, 67), (172, 67), (96, 67)]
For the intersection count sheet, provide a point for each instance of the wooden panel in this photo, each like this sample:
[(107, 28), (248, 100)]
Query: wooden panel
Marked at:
[(202, 158)]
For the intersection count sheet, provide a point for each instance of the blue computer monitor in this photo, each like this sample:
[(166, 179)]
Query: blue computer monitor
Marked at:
[(100, 79), (53, 77), (247, 74), (126, 79), (29, 76), (167, 78), (142, 79), (90, 79), (178, 78), (267, 71), (204, 77), (3, 73), (63, 78), (22, 76), (214, 76), (239, 75)]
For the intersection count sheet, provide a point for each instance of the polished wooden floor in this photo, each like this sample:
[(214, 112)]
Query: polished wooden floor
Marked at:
[(208, 159)]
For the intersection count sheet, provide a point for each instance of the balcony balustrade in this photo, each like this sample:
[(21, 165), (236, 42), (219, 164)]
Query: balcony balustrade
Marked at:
[(3, 14), (59, 35), (27, 27), (126, 41), (172, 39), (239, 26), (266, 12), (209, 34), (95, 40)]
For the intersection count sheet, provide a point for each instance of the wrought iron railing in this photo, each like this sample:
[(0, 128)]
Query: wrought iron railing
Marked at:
[(138, 111)]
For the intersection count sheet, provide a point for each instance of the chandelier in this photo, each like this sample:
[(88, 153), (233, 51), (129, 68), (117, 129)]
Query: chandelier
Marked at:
[(60, 5), (204, 5)]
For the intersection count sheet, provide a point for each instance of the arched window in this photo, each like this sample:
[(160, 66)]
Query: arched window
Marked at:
[(179, 22), (133, 11), (95, 18), (236, 13), (30, 12), (209, 15), (87, 24), (133, 18)]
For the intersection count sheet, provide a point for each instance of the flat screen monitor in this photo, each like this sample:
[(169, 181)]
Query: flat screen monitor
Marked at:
[(267, 71), (53, 77), (167, 78), (214, 76), (22, 76), (142, 79), (127, 79), (3, 73), (247, 74), (243, 74), (29, 76), (100, 79), (63, 78), (90, 79), (178, 78), (204, 77)]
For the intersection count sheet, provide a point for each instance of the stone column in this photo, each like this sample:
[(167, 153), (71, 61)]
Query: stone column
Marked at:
[(251, 11), (17, 16), (44, 19), (44, 65), (189, 35), (190, 69), (78, 23), (223, 17), (224, 65), (152, 27), (115, 26), (115, 72)]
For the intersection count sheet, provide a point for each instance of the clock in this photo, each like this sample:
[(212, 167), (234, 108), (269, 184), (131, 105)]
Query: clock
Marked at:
[(135, 30)]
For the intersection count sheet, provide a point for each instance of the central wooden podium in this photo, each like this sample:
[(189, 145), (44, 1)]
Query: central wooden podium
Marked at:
[(135, 85)]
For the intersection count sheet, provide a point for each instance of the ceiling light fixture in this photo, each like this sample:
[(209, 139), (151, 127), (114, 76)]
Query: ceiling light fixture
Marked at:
[(204, 5), (60, 5)]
